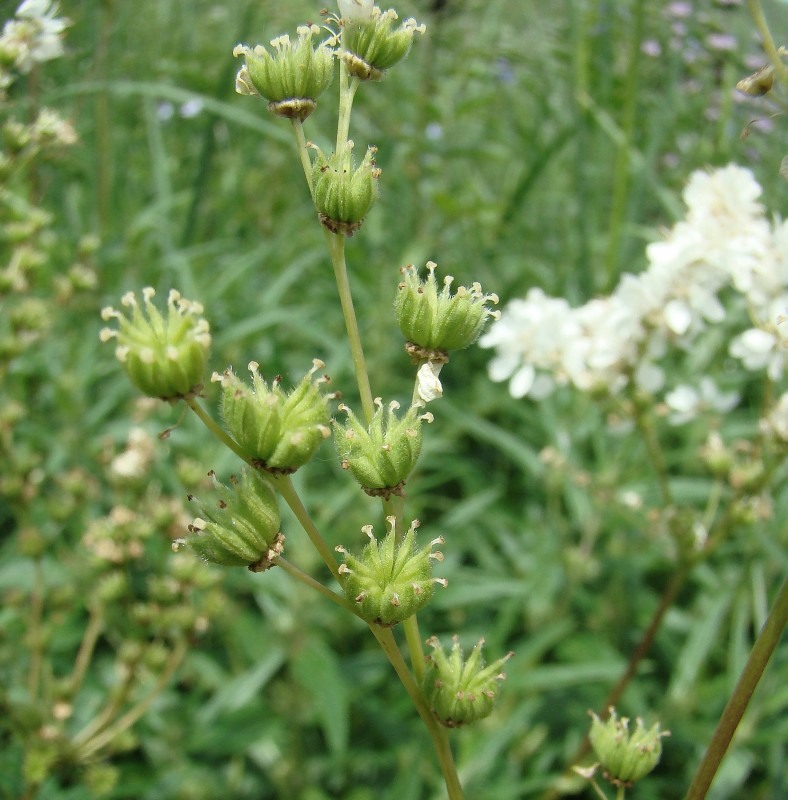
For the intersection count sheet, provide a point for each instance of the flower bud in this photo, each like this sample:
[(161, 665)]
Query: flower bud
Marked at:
[(626, 756), (759, 83), (434, 321), (278, 432), (242, 528), (461, 691), (163, 356), (293, 78), (343, 195), (391, 580), (381, 456), (369, 45)]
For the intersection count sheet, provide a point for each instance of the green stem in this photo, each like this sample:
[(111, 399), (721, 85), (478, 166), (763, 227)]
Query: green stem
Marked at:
[(302, 576), (347, 91), (216, 429), (438, 734), (336, 248), (303, 153), (766, 38), (36, 640), (137, 711), (288, 492), (762, 650), (645, 425), (86, 648)]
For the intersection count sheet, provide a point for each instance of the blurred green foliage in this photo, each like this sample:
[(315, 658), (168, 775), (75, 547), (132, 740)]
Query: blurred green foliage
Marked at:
[(502, 139)]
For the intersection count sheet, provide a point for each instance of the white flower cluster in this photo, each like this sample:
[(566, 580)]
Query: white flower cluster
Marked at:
[(725, 242), (34, 35)]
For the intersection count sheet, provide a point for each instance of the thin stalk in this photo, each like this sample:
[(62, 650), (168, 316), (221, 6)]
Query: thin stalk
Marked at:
[(766, 39), (288, 492), (347, 91), (336, 248), (438, 734), (761, 652), (302, 576), (416, 651), (645, 425), (137, 711), (102, 719), (303, 154), (36, 640), (215, 428), (86, 648)]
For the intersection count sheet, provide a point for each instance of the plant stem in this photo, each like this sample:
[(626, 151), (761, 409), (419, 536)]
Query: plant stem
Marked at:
[(766, 38), (36, 641), (288, 492), (302, 576), (761, 652), (438, 734), (215, 428), (86, 647), (645, 425), (336, 248), (303, 154), (347, 91), (103, 738)]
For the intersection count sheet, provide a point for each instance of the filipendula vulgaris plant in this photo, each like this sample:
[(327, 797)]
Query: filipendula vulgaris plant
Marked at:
[(275, 432)]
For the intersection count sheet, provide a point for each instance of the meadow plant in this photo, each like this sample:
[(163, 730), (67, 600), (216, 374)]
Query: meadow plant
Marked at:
[(276, 432), (695, 342)]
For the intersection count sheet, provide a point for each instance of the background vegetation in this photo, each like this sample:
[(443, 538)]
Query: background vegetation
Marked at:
[(521, 144)]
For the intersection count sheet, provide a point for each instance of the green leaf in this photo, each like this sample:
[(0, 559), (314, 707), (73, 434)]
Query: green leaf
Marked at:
[(316, 668)]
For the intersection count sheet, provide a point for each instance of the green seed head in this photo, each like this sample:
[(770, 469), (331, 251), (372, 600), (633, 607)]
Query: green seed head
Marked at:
[(626, 756), (390, 581), (344, 195), (371, 44), (460, 690), (278, 432), (380, 457), (293, 77), (241, 528), (163, 355), (434, 320)]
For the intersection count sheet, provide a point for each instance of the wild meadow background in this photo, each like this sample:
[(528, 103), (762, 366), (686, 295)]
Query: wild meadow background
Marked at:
[(522, 144)]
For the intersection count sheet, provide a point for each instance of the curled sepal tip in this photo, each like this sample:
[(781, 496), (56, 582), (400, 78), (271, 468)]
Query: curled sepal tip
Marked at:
[(241, 526), (164, 355), (461, 690), (382, 455), (277, 431), (390, 581)]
